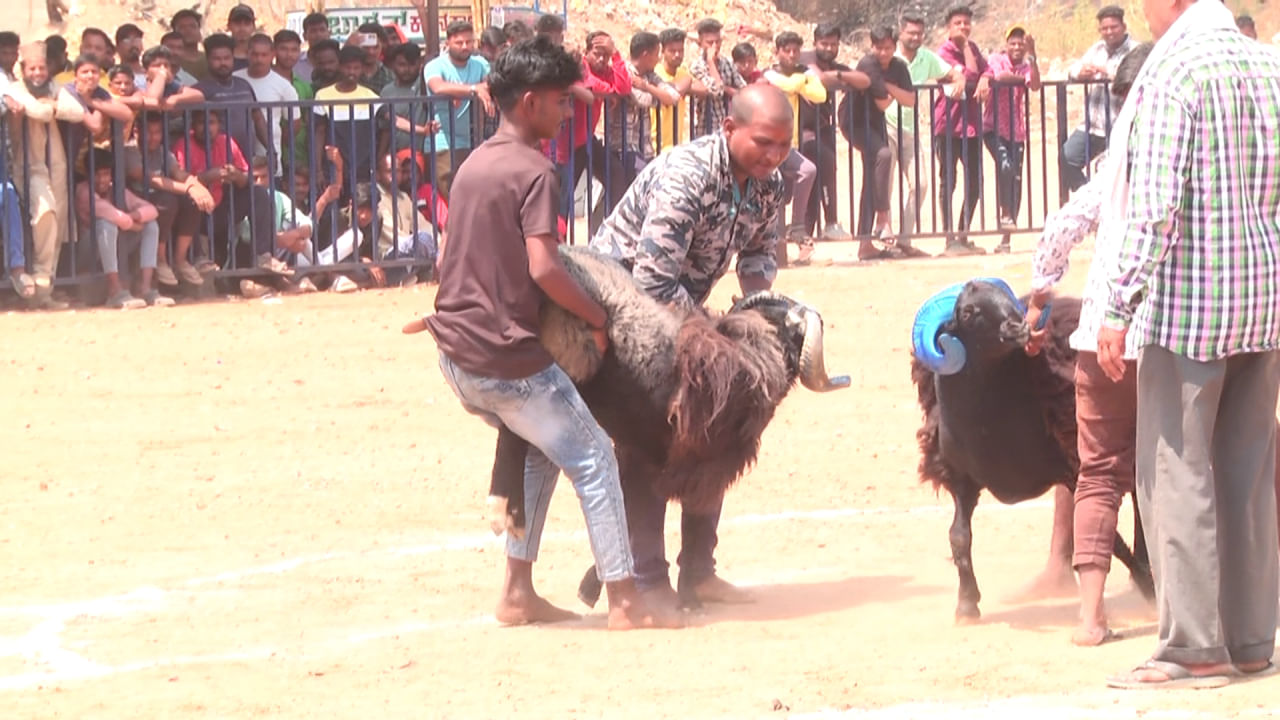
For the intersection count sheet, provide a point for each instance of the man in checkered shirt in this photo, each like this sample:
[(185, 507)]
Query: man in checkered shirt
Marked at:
[(1197, 282)]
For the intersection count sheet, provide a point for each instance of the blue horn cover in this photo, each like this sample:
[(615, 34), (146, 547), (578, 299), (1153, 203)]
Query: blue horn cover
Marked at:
[(942, 353), (1008, 290), (1044, 314)]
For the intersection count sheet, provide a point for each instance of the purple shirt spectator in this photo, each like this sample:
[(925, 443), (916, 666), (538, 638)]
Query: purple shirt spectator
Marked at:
[(960, 117), (1007, 101)]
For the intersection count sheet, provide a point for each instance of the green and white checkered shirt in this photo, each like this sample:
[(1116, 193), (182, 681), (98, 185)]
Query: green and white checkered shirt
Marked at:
[(1202, 242)]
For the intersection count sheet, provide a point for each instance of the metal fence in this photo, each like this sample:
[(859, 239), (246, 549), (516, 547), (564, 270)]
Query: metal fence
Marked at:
[(352, 185)]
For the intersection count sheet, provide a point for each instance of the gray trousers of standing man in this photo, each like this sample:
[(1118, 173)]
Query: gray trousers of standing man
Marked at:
[(1206, 450)]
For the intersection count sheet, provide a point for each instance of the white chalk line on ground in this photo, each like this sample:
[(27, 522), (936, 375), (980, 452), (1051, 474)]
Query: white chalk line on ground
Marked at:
[(1103, 704), (42, 645)]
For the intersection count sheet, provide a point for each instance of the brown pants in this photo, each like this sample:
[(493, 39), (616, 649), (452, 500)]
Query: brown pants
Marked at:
[(1107, 424)]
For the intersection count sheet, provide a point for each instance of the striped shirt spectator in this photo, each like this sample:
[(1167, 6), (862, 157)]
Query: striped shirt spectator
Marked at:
[(1203, 238)]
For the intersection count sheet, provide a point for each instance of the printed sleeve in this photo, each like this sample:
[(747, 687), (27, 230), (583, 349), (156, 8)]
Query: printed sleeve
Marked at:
[(1066, 228), (539, 210)]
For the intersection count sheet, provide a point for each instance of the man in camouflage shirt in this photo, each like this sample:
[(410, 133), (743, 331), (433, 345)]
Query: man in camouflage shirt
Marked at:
[(676, 229)]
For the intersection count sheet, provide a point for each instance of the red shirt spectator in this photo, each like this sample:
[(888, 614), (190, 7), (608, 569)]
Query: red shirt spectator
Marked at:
[(190, 153), (1007, 101), (960, 117), (611, 80)]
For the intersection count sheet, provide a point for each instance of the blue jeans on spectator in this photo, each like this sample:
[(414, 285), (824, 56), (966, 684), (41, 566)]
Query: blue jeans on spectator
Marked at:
[(1077, 152), (13, 227), (1008, 158), (546, 410), (112, 240)]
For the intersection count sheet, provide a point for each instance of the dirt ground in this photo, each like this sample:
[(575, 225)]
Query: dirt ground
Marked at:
[(275, 509)]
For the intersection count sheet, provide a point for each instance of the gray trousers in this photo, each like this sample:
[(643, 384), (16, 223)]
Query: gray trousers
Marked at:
[(1206, 455), (798, 176)]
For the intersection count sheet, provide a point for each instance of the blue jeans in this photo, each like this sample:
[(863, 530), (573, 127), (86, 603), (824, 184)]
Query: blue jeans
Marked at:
[(111, 239), (546, 410), (12, 225), (1078, 151), (1008, 158)]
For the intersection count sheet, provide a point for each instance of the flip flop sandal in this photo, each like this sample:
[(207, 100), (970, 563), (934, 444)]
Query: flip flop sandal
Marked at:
[(24, 285), (1179, 677)]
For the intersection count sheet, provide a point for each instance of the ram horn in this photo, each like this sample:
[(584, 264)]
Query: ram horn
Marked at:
[(758, 298), (813, 371), (1008, 291), (941, 352)]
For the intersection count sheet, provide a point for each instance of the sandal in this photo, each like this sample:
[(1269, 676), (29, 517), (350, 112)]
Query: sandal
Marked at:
[(24, 285), (806, 251), (1176, 677)]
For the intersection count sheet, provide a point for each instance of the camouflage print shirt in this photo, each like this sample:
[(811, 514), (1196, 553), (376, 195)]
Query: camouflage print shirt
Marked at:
[(683, 219)]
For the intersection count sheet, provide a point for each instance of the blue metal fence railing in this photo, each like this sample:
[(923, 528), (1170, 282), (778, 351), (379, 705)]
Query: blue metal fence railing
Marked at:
[(372, 183)]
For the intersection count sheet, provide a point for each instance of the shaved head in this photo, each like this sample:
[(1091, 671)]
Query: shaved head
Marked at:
[(759, 130), (760, 103)]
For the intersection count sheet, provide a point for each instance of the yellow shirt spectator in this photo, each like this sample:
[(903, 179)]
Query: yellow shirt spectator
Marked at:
[(798, 85), (672, 126)]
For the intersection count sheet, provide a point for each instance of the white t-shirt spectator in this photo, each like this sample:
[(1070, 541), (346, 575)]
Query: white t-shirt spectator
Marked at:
[(271, 88)]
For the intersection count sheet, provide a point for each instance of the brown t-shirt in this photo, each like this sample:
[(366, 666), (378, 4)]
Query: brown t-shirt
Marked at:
[(486, 317)]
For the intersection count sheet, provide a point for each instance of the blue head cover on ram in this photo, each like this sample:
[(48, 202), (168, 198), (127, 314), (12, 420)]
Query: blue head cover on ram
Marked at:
[(995, 418), (940, 351)]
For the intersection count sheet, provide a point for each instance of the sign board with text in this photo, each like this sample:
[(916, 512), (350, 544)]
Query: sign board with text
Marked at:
[(344, 21)]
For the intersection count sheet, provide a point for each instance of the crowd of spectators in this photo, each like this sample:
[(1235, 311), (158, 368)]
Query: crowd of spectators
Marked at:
[(274, 157)]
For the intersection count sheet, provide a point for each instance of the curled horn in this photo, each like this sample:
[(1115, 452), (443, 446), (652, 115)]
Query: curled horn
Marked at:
[(813, 370), (941, 352), (758, 298), (1008, 291)]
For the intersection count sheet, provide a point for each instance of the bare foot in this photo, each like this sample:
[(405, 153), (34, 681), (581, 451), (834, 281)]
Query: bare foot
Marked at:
[(1050, 583), (655, 608), (716, 589), (1092, 635), (521, 609)]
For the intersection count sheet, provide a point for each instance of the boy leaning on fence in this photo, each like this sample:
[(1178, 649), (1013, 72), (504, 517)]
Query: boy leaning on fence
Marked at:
[(502, 265), (119, 228)]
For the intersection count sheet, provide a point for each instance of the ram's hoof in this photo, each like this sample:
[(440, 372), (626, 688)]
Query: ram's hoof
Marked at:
[(968, 615)]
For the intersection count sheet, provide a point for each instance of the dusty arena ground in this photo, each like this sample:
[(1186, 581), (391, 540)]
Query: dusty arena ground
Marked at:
[(275, 509)]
